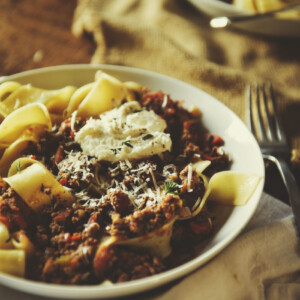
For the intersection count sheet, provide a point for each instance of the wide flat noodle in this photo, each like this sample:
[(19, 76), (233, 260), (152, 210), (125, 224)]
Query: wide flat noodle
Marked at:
[(6, 89), (19, 120), (56, 101), (200, 166), (21, 241), (104, 94), (17, 240), (107, 93), (12, 261), (36, 185), (232, 188), (157, 241), (13, 151), (77, 98), (5, 239)]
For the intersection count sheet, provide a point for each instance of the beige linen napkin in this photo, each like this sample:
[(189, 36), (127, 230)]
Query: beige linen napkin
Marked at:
[(263, 263)]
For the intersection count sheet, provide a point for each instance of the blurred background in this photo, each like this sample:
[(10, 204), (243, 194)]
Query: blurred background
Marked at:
[(37, 33)]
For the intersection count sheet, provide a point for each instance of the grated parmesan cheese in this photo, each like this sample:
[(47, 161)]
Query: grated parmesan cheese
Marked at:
[(73, 120), (77, 162), (221, 150), (189, 178), (133, 179), (164, 104)]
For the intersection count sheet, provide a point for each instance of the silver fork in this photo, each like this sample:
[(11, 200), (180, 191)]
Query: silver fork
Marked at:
[(267, 129)]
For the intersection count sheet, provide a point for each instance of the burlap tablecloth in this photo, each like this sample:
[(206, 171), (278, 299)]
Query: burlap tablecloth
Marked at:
[(173, 38)]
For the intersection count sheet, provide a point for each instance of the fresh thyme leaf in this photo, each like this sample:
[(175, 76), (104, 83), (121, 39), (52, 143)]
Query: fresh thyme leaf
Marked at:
[(8, 240), (136, 111), (171, 187), (19, 167), (115, 150), (147, 136), (127, 143)]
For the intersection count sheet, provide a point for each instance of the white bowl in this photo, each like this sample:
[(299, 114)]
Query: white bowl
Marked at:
[(268, 26), (239, 142)]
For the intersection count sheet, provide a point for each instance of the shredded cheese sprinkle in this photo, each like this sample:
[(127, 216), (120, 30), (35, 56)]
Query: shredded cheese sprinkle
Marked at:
[(190, 173), (164, 104), (73, 120)]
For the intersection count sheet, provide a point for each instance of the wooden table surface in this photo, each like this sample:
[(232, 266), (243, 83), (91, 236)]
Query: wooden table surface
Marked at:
[(37, 33)]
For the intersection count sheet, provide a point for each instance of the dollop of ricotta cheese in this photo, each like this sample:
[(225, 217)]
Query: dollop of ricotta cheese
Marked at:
[(127, 132)]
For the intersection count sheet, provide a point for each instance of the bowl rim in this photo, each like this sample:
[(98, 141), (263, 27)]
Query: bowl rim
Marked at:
[(136, 286)]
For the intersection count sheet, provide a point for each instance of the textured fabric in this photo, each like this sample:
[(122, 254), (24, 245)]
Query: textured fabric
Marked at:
[(173, 38), (258, 264)]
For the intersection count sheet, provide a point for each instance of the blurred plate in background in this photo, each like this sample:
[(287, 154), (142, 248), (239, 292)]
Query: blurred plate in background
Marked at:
[(268, 26)]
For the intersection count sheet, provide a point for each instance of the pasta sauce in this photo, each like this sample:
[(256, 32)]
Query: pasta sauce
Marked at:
[(94, 192)]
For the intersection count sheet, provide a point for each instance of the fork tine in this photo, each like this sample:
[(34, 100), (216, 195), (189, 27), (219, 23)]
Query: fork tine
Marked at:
[(255, 127), (260, 125), (250, 115), (269, 125), (278, 126)]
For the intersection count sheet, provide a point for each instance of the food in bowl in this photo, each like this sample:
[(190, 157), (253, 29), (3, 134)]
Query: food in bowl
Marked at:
[(106, 182), (262, 6)]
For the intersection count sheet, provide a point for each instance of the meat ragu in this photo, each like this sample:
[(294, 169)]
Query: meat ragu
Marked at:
[(118, 204)]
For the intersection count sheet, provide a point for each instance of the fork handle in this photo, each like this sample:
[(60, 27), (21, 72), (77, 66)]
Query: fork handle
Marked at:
[(291, 186)]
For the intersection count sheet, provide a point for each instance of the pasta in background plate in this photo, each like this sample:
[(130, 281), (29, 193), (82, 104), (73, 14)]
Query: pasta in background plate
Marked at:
[(263, 6), (78, 218)]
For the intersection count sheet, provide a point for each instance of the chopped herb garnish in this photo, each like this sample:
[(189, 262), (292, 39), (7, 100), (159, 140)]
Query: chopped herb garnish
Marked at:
[(77, 122), (58, 177), (115, 150), (8, 240), (69, 171), (19, 167), (171, 187), (147, 136), (127, 143), (137, 111)]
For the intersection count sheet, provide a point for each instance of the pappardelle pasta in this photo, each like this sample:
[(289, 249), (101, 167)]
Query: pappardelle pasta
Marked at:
[(264, 6), (107, 182)]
